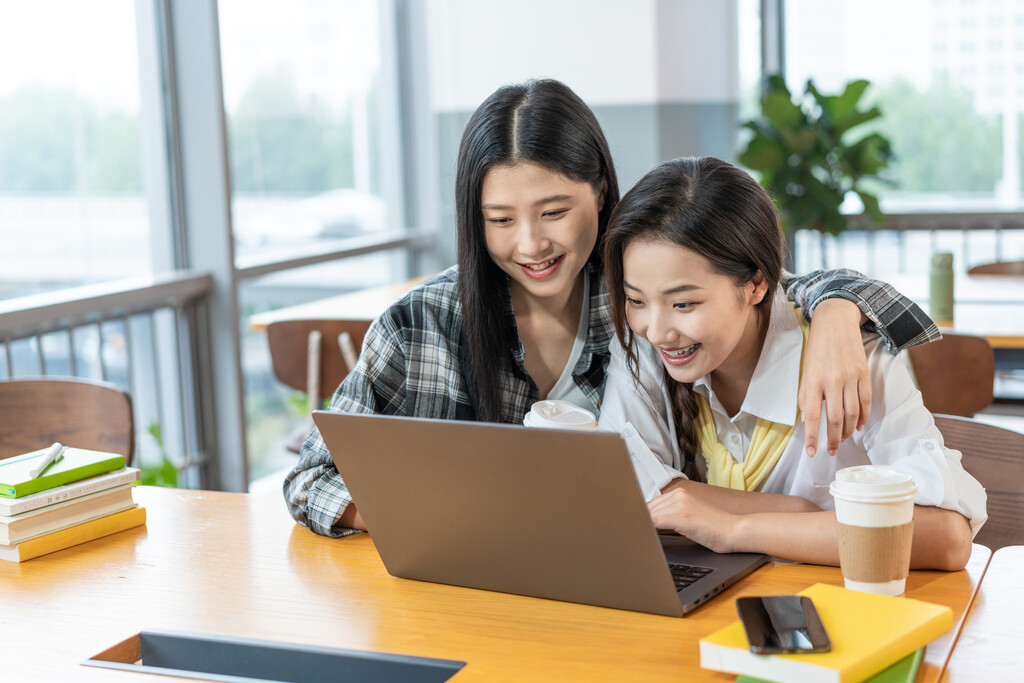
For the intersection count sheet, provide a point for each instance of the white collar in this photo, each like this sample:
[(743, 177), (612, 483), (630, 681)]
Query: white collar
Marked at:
[(775, 384)]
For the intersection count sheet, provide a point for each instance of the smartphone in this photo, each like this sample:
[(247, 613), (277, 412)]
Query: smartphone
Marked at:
[(782, 624)]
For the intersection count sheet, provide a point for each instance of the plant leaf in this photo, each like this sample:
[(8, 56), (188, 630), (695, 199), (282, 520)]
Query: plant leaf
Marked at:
[(845, 105), (872, 208), (782, 113), (762, 154)]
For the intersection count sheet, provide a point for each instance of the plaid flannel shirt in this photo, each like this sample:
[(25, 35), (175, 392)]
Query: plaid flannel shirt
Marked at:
[(413, 363)]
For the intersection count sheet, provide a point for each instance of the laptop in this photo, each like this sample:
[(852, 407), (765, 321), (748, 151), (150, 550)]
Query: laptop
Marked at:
[(539, 512)]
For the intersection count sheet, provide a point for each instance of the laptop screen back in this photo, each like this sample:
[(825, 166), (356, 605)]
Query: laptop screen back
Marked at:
[(547, 513)]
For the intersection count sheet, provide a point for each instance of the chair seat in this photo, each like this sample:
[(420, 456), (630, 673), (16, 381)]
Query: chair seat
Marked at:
[(995, 457), (956, 374), (314, 364)]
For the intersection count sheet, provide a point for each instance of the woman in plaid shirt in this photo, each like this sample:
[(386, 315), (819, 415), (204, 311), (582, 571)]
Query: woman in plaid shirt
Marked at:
[(525, 316)]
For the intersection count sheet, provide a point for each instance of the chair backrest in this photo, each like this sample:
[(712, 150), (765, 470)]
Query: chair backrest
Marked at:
[(955, 374), (1015, 268), (289, 351), (995, 457), (81, 413)]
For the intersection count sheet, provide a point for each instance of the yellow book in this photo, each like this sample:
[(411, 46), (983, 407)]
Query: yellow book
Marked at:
[(869, 633), (65, 538)]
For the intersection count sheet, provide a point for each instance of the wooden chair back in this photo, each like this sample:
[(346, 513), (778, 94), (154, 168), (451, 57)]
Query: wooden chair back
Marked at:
[(995, 457), (955, 374), (1013, 268), (81, 413), (290, 353)]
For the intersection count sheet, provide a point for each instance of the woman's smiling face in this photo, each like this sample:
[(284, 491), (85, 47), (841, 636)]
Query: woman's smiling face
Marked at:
[(698, 319), (539, 226)]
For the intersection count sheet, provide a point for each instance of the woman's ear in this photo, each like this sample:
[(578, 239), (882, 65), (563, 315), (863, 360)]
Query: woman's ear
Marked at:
[(760, 288)]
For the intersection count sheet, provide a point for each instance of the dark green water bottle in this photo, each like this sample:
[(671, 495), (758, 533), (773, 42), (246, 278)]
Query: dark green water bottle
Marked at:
[(940, 300)]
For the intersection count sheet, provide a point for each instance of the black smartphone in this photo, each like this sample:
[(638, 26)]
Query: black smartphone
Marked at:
[(782, 624)]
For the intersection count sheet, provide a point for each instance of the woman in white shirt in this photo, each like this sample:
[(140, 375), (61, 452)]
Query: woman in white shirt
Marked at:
[(708, 362)]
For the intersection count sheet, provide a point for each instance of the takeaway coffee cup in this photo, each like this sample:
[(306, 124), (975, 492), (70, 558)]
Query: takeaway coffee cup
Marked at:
[(875, 512), (560, 415)]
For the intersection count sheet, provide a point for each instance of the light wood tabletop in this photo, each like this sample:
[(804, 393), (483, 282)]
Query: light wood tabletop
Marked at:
[(235, 564), (989, 647), (364, 304)]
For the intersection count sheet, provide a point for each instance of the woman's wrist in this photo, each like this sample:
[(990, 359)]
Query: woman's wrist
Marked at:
[(837, 309)]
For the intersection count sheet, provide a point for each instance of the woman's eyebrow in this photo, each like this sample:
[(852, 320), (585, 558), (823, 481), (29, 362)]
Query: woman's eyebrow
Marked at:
[(680, 288), (553, 198), (671, 290), (539, 202)]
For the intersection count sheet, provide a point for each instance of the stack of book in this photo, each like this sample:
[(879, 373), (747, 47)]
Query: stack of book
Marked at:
[(56, 498), (875, 638)]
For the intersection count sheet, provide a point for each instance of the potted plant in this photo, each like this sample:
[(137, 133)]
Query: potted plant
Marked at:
[(810, 157)]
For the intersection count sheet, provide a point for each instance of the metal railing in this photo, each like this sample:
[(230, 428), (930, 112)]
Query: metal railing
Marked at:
[(906, 241), (141, 334)]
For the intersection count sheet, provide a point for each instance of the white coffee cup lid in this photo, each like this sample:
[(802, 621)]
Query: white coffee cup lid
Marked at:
[(870, 483), (559, 415)]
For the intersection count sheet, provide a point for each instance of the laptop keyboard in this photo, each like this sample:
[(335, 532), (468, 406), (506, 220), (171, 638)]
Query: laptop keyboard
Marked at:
[(684, 574)]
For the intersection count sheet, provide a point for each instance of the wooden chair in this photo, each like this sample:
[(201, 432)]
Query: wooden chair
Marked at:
[(314, 356), (995, 457), (1012, 268), (955, 374), (77, 412)]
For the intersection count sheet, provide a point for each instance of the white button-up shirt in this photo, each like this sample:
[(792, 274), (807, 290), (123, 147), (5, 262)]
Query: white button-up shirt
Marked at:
[(900, 431)]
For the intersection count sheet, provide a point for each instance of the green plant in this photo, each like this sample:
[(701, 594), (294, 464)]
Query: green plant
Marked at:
[(162, 473), (806, 158)]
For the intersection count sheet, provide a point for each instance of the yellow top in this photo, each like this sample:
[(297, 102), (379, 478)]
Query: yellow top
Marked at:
[(766, 444)]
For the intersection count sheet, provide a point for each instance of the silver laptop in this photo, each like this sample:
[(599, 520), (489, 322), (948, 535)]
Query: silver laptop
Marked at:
[(546, 513)]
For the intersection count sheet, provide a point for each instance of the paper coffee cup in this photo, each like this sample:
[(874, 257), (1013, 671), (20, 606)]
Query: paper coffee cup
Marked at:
[(560, 415), (875, 512)]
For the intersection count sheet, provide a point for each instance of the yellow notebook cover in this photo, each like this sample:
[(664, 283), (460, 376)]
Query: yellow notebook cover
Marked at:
[(869, 633), (81, 533)]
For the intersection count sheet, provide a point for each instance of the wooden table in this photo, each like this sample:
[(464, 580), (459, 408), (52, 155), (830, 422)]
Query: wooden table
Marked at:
[(989, 647), (364, 304), (236, 564)]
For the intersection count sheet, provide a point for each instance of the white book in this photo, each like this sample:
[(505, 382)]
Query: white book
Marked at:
[(76, 489), (42, 521)]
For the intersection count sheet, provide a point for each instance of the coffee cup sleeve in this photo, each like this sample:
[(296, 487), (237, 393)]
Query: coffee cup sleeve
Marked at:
[(650, 472)]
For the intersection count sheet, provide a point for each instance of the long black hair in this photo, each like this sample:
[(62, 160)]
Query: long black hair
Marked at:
[(544, 122), (712, 208)]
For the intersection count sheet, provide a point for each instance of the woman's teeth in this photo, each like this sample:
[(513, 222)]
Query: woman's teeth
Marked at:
[(541, 266), (680, 353)]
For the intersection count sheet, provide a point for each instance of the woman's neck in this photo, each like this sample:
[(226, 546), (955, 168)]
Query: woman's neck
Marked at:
[(564, 308), (547, 330), (731, 379)]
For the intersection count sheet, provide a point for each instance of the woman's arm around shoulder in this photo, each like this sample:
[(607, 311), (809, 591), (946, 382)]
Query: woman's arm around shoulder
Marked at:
[(898, 319), (834, 369)]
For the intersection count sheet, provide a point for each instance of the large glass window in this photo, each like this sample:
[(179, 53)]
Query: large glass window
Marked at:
[(301, 87), (949, 78), (72, 208)]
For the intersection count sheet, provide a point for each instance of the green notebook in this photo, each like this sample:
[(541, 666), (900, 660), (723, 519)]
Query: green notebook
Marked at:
[(78, 463), (903, 671)]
